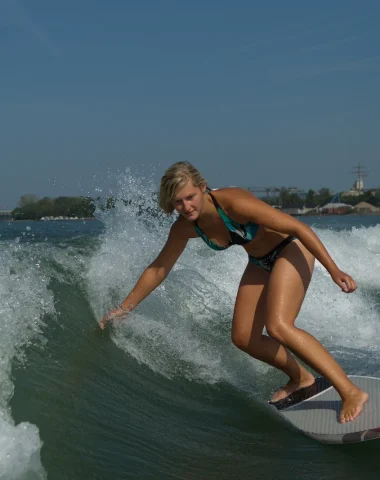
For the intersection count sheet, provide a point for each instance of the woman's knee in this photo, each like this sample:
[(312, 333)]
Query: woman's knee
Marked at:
[(240, 340), (280, 331), (248, 345)]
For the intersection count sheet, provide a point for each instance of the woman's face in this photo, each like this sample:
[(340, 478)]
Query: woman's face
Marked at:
[(189, 201)]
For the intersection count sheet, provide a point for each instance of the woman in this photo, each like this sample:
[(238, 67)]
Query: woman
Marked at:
[(281, 253)]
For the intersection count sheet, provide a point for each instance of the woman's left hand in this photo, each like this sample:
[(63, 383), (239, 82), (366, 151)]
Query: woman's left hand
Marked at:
[(345, 282)]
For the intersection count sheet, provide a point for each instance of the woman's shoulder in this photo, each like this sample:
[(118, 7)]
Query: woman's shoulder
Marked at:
[(237, 203)]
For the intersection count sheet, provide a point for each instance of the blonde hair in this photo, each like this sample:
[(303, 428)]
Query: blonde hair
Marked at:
[(175, 178)]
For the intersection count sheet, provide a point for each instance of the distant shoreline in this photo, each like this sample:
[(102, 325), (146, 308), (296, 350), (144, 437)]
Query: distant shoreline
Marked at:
[(353, 214), (52, 220), (356, 214)]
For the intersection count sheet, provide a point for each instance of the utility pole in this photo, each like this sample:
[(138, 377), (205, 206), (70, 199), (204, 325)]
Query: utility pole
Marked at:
[(360, 172)]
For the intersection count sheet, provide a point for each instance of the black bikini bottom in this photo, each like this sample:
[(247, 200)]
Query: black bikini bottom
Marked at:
[(267, 261)]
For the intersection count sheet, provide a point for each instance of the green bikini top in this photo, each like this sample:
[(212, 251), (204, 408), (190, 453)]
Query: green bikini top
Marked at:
[(240, 234)]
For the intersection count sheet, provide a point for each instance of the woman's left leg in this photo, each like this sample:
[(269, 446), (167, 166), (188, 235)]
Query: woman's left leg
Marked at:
[(287, 287)]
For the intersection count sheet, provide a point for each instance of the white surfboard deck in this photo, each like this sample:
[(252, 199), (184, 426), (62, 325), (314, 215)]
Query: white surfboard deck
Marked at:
[(316, 414)]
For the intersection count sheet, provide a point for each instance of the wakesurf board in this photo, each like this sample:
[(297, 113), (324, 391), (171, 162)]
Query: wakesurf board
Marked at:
[(315, 412)]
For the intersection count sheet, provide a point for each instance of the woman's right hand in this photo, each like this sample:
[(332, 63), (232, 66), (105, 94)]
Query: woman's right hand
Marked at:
[(345, 281), (111, 315)]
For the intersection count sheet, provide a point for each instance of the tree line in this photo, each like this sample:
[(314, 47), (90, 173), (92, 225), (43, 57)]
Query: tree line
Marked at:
[(287, 199), (30, 207)]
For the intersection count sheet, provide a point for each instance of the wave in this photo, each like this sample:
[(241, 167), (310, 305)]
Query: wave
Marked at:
[(24, 300), (28, 268), (183, 328)]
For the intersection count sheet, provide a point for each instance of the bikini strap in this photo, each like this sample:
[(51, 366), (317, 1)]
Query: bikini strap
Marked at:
[(214, 201)]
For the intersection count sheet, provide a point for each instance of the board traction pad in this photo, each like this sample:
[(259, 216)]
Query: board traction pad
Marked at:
[(315, 411)]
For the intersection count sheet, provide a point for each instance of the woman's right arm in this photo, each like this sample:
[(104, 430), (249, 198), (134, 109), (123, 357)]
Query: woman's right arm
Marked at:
[(157, 271)]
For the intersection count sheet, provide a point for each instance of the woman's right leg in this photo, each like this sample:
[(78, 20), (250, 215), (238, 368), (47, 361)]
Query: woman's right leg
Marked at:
[(248, 324)]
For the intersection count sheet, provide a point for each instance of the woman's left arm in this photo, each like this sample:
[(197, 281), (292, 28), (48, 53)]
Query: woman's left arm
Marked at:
[(245, 205)]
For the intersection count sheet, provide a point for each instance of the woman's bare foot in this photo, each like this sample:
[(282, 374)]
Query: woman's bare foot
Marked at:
[(293, 386), (352, 405)]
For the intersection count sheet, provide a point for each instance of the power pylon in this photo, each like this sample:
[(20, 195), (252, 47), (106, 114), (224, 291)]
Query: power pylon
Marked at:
[(360, 172)]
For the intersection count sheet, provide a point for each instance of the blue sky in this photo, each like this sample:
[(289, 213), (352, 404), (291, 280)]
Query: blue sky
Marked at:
[(253, 93)]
